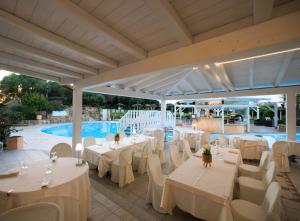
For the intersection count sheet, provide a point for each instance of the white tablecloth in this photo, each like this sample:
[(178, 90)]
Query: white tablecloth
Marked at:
[(69, 187), (251, 147), (203, 192), (103, 154), (192, 136)]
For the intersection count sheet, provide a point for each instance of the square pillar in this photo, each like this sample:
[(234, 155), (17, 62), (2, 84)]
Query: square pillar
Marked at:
[(248, 119), (163, 108), (291, 116), (77, 116)]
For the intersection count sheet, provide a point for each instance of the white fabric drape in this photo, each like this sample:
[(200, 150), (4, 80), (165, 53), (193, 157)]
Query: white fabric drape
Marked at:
[(174, 157), (121, 170), (140, 158), (69, 190), (159, 135)]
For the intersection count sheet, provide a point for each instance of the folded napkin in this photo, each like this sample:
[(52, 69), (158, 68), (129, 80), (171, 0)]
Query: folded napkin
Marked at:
[(233, 151), (45, 183), (11, 173)]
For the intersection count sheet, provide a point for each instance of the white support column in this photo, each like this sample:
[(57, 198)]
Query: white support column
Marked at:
[(248, 119), (291, 115), (275, 115), (163, 108), (222, 119), (257, 113), (77, 116)]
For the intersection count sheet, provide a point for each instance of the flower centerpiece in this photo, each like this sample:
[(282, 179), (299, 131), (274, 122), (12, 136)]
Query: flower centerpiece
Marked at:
[(206, 156), (117, 138)]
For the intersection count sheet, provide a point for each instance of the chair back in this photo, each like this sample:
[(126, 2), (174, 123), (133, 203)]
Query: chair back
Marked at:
[(271, 203), (110, 137), (176, 136), (36, 211), (147, 149), (270, 174), (125, 157), (62, 150), (280, 153), (205, 138), (174, 155), (264, 160), (236, 142), (154, 169), (223, 141), (89, 141), (187, 149)]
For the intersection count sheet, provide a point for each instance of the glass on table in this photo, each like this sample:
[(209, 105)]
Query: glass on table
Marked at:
[(24, 167)]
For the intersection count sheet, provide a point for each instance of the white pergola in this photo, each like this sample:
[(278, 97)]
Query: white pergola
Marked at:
[(156, 49)]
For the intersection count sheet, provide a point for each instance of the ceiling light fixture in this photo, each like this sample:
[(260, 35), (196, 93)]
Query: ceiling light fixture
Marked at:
[(195, 68), (257, 56)]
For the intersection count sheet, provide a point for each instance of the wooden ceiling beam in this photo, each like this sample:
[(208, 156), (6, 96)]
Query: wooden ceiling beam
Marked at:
[(168, 15), (55, 39), (46, 56), (115, 38), (35, 64), (28, 72)]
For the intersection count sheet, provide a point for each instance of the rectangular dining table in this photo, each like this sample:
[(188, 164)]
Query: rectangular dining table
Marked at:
[(205, 193)]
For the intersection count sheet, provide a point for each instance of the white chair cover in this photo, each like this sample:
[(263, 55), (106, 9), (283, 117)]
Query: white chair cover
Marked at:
[(205, 138), (223, 141), (140, 158), (34, 212), (280, 154), (174, 157), (177, 140), (121, 170), (269, 210), (89, 141), (254, 171), (234, 142), (187, 153), (156, 183), (110, 137), (62, 150), (253, 190)]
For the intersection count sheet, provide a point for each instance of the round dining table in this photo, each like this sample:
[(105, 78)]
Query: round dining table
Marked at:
[(60, 182)]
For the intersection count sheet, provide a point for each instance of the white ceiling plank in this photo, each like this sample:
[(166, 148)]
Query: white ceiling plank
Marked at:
[(164, 83), (29, 72), (183, 77), (278, 34), (251, 73), (135, 83), (205, 79), (120, 92), (283, 68), (55, 39), (167, 13), (219, 69), (35, 64), (190, 85), (40, 54), (157, 80), (110, 35), (262, 10), (213, 76)]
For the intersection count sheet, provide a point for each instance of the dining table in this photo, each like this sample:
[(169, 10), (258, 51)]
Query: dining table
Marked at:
[(104, 153), (203, 192), (193, 136), (60, 182), (251, 146)]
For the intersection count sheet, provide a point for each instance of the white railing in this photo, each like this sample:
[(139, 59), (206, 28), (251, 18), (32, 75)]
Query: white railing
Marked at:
[(140, 119)]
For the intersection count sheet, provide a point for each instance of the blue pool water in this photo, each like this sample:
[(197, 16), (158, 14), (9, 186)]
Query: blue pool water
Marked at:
[(98, 129)]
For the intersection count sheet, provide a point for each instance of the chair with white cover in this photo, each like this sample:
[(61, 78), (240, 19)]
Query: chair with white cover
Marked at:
[(187, 153), (223, 141), (280, 154), (205, 139), (174, 157), (156, 183), (35, 211), (62, 150), (256, 172), (140, 158), (89, 141), (253, 190), (234, 142), (121, 169), (110, 137), (177, 139), (243, 210)]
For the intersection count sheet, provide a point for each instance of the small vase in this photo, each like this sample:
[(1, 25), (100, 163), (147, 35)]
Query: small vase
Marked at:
[(207, 159), (117, 139)]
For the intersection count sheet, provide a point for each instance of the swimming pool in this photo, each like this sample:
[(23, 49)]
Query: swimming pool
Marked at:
[(98, 129)]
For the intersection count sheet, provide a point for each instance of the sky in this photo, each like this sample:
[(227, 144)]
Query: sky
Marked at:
[(4, 73)]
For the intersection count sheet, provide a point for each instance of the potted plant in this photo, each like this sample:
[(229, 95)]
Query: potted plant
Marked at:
[(117, 138), (206, 156)]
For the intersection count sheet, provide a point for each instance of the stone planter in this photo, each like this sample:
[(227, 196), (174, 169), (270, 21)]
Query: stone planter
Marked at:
[(14, 142)]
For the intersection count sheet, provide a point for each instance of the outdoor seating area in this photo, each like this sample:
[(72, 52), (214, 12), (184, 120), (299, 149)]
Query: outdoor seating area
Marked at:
[(169, 110)]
